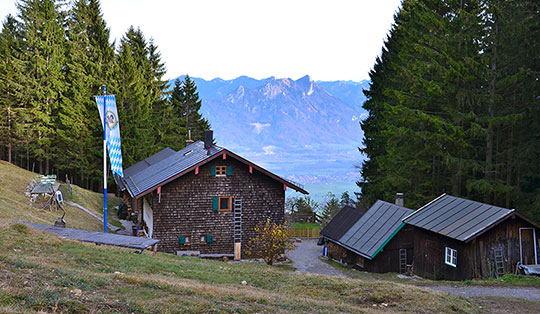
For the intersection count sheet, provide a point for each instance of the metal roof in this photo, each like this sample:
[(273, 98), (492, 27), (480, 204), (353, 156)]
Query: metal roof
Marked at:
[(168, 167), (174, 165), (375, 228), (457, 218), (341, 223), (141, 165)]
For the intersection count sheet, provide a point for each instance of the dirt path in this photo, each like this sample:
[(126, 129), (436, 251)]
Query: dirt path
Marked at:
[(306, 259), (526, 293)]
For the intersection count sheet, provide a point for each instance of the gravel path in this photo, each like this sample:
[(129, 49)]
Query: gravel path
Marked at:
[(527, 293), (305, 256)]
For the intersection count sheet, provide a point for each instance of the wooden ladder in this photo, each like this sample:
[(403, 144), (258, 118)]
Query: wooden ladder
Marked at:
[(237, 207), (499, 262), (402, 261)]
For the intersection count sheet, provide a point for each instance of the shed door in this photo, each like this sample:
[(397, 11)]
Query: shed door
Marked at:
[(527, 236)]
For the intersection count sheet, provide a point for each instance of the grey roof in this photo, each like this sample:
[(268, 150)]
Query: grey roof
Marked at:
[(457, 218), (341, 223), (141, 165), (375, 228), (165, 169)]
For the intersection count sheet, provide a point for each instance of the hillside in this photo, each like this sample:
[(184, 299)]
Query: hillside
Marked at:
[(43, 273), (15, 204)]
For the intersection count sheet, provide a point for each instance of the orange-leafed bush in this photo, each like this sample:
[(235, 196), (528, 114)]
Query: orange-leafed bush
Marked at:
[(270, 241)]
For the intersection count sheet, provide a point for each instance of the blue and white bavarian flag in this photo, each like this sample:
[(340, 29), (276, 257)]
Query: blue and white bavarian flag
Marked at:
[(112, 131)]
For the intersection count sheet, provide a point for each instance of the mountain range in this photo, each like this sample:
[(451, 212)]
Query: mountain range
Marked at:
[(305, 130)]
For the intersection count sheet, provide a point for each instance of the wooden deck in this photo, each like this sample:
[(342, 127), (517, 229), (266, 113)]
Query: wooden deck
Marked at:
[(97, 237)]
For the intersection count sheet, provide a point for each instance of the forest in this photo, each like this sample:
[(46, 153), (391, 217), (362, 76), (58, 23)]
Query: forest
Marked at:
[(454, 105), (54, 57)]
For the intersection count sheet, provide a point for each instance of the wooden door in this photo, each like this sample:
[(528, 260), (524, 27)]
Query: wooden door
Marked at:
[(527, 236)]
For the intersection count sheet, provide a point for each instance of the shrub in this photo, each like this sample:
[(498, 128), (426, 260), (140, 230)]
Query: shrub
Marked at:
[(270, 241)]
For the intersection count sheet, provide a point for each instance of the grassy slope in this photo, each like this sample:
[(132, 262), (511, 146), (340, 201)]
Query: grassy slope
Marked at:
[(40, 272), (15, 205)]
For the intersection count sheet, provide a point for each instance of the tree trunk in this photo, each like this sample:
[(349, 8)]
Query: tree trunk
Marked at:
[(489, 136)]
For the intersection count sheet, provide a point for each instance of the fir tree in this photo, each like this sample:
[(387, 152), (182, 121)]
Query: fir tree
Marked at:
[(42, 77), (10, 87)]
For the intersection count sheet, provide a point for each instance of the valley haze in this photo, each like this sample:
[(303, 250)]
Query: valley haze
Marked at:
[(304, 130)]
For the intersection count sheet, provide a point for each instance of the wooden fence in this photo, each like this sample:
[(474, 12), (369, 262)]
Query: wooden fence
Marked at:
[(304, 232)]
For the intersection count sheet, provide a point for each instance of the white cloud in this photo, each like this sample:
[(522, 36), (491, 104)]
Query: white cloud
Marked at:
[(269, 150), (259, 127)]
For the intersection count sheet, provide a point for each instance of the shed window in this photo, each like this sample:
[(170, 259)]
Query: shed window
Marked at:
[(225, 204), (451, 257), (221, 171)]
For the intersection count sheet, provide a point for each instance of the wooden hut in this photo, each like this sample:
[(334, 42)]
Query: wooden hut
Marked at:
[(369, 242), (458, 239), (203, 200)]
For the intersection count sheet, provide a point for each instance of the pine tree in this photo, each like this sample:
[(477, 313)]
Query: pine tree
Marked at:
[(134, 98), (453, 105), (76, 121), (42, 77), (10, 66), (190, 105)]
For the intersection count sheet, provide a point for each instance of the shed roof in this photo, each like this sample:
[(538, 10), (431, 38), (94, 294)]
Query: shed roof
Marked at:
[(342, 222), (375, 228), (147, 178), (457, 218)]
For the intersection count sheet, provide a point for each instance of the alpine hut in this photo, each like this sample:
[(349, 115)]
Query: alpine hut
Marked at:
[(203, 200)]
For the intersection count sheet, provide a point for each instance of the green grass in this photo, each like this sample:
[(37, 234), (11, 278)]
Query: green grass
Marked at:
[(14, 204), (305, 225), (43, 273)]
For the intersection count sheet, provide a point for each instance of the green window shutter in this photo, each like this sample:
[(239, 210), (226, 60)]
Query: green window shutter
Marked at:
[(213, 171), (229, 171), (215, 204), (181, 240), (209, 239)]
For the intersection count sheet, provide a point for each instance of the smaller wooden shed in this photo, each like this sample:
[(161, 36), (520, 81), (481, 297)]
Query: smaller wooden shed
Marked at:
[(458, 239), (368, 241)]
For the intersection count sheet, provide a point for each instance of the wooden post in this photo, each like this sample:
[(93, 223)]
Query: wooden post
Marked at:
[(237, 251)]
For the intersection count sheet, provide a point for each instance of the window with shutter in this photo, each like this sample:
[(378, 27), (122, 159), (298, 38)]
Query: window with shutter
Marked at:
[(225, 203), (221, 171)]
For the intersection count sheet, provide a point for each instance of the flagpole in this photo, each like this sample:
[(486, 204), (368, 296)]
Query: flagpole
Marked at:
[(104, 160)]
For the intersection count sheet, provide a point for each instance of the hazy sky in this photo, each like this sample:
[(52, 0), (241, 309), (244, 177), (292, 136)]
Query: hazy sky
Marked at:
[(329, 40)]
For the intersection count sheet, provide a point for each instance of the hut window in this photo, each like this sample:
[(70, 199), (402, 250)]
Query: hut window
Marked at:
[(451, 257), (221, 171), (184, 240), (225, 204), (203, 239)]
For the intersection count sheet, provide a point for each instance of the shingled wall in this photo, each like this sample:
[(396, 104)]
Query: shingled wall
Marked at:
[(186, 207)]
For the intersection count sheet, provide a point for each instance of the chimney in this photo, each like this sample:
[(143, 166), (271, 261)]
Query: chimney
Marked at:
[(399, 199), (208, 139), (189, 140)]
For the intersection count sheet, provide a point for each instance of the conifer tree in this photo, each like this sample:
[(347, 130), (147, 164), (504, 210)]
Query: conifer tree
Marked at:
[(190, 104), (134, 98), (10, 88), (42, 77)]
